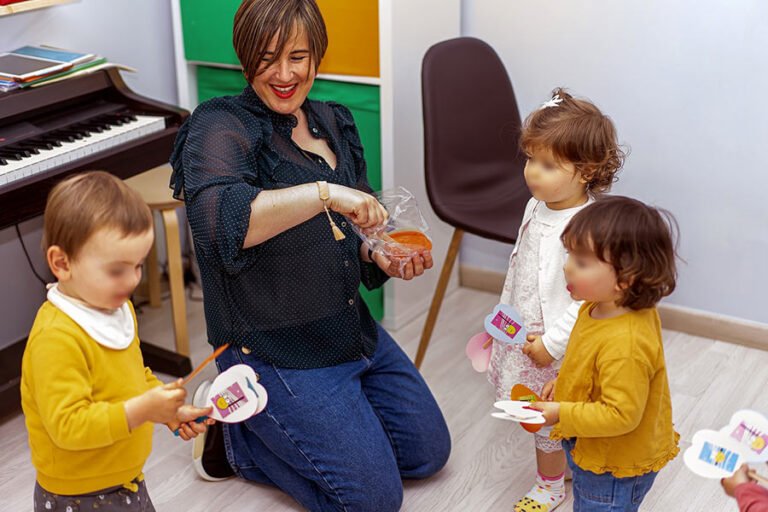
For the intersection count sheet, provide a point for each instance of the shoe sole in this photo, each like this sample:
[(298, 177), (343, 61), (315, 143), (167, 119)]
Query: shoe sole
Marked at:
[(199, 399)]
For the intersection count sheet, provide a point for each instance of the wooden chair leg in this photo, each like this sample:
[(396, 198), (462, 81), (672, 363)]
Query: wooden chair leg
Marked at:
[(437, 299), (176, 280), (153, 277)]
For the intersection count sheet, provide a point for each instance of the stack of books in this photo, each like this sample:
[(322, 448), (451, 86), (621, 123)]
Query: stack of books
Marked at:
[(33, 66)]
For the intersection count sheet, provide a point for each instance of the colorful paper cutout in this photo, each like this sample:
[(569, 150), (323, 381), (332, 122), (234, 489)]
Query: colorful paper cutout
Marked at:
[(714, 454), (503, 324), (236, 395), (750, 429), (525, 394), (518, 411), (478, 351)]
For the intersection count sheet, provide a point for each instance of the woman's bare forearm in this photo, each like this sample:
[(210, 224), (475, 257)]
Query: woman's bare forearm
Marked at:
[(275, 211)]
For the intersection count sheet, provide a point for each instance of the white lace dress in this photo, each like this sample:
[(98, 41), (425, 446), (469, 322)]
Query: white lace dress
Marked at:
[(509, 366)]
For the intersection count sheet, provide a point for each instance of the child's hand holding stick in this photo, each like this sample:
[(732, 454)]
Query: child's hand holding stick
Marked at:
[(757, 477)]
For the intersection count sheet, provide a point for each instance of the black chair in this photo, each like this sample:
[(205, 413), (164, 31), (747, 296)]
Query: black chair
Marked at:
[(473, 165)]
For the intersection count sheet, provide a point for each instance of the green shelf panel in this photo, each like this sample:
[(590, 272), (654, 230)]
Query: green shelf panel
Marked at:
[(208, 30)]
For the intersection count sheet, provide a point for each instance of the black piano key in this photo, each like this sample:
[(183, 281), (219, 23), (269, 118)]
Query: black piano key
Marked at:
[(78, 134), (3, 162), (121, 119), (8, 155), (64, 137), (92, 127), (105, 124), (24, 150), (97, 127), (52, 140), (36, 144), (17, 151)]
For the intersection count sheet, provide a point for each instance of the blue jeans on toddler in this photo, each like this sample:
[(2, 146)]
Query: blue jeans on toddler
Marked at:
[(340, 438), (605, 492)]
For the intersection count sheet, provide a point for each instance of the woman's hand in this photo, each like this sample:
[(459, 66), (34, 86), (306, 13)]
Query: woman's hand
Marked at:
[(413, 267), (534, 348), (361, 208)]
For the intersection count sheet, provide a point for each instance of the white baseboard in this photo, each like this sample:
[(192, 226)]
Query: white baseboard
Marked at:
[(677, 318)]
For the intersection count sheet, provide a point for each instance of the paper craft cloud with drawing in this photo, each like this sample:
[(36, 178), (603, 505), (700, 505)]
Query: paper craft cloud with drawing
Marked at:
[(714, 454), (236, 395), (503, 324), (750, 429)]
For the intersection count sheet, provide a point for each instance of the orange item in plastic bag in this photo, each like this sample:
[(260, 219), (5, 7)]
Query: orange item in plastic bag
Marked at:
[(412, 239)]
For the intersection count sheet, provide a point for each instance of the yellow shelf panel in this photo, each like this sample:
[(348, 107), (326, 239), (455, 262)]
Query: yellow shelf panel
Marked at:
[(353, 37)]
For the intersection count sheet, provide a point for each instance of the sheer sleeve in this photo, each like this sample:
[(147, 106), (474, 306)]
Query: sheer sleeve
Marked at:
[(215, 163)]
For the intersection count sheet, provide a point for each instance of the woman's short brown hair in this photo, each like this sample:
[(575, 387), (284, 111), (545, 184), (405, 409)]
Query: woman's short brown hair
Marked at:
[(576, 131), (81, 205), (636, 239), (257, 22)]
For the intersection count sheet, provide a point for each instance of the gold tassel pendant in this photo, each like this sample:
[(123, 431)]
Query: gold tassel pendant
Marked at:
[(337, 234), (322, 188)]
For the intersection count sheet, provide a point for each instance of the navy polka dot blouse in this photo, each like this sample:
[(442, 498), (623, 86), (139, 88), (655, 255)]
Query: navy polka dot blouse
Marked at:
[(293, 299)]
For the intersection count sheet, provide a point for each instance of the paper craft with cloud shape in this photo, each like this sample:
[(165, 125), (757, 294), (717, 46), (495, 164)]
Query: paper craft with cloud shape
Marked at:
[(526, 394), (518, 411), (503, 324), (236, 395), (478, 351), (750, 429), (714, 454)]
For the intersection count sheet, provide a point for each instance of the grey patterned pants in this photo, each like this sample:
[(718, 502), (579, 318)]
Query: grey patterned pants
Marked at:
[(114, 498)]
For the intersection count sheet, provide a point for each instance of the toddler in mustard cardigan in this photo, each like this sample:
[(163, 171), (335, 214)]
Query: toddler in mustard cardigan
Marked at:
[(611, 402), (89, 402)]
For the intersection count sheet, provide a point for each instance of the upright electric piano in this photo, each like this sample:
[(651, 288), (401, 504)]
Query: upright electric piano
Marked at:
[(93, 122)]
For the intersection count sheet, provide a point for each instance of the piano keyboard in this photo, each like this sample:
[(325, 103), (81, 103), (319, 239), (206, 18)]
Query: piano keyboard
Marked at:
[(79, 141)]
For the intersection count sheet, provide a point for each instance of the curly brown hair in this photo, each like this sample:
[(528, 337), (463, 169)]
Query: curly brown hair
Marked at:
[(637, 240), (576, 131)]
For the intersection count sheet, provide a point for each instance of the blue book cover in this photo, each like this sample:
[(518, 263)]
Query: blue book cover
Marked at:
[(57, 54)]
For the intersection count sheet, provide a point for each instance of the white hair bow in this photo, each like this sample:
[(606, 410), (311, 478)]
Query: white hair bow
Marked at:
[(555, 101)]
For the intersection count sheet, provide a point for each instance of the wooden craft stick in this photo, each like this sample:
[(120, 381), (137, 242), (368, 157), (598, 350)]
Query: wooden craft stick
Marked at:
[(216, 353), (754, 475), (488, 343)]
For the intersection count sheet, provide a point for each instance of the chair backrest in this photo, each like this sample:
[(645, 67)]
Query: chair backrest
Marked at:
[(473, 165)]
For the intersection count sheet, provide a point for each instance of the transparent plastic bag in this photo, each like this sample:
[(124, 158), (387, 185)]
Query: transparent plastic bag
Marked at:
[(404, 235)]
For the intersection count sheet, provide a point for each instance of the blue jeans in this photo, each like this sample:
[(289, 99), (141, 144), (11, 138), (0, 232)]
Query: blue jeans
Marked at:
[(340, 438), (605, 492)]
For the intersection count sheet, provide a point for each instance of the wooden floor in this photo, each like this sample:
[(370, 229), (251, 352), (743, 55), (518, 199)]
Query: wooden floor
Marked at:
[(491, 465)]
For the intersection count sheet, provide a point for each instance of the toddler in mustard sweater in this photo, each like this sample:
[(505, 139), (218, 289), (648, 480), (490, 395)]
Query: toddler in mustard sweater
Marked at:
[(89, 402), (612, 406)]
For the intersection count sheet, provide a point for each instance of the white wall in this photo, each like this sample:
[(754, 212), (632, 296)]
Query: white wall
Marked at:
[(685, 82), (407, 30), (132, 32)]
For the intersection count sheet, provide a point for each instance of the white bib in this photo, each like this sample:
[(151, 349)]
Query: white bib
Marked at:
[(112, 329)]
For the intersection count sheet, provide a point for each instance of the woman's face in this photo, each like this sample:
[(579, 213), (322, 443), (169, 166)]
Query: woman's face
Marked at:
[(284, 82)]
